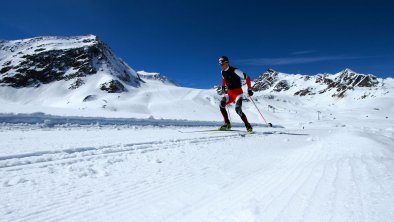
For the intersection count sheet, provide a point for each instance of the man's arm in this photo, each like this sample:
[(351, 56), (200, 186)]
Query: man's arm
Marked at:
[(223, 82), (243, 75)]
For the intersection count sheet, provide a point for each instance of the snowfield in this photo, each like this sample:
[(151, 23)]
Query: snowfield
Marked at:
[(148, 155), (324, 172)]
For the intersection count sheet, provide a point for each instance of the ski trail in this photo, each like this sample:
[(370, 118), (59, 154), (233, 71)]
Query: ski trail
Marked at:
[(52, 156), (251, 185), (207, 178), (141, 192)]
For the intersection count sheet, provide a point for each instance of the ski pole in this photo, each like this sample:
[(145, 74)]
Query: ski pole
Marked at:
[(228, 111), (269, 124)]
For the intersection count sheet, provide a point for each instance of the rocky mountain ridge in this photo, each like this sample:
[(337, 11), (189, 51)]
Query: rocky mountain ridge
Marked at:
[(335, 85), (42, 60)]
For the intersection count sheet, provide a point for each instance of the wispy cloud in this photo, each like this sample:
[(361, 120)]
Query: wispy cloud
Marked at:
[(303, 52), (293, 60)]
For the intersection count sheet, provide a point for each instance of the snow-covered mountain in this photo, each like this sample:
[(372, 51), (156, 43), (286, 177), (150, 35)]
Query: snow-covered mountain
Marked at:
[(82, 76), (336, 85), (77, 73), (44, 60)]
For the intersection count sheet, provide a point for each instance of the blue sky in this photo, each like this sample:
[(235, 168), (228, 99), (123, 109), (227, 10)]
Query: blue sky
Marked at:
[(183, 39)]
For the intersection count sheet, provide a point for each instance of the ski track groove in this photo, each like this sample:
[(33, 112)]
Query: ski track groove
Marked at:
[(140, 192), (315, 193), (347, 209), (325, 190), (174, 182), (160, 190), (379, 184), (253, 185), (334, 195), (308, 181), (378, 176), (281, 186), (102, 150), (360, 201), (198, 206), (68, 210), (195, 203), (287, 190), (273, 188), (45, 211), (146, 193)]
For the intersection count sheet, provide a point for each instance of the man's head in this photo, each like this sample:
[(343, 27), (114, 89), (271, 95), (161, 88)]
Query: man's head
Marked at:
[(223, 62)]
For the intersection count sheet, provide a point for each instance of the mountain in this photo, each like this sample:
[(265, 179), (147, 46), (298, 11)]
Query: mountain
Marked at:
[(335, 85), (156, 77), (43, 60), (82, 76)]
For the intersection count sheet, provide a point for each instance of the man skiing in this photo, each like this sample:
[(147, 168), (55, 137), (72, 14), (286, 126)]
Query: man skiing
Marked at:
[(231, 77)]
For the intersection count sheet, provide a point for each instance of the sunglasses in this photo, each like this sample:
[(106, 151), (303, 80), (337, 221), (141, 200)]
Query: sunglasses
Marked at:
[(221, 62)]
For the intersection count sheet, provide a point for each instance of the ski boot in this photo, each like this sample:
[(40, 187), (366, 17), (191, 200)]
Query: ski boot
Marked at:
[(226, 126), (249, 128)]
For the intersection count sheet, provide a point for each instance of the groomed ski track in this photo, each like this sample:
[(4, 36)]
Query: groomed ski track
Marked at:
[(160, 174)]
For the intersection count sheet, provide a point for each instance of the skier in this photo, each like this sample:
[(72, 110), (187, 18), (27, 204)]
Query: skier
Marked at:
[(231, 77)]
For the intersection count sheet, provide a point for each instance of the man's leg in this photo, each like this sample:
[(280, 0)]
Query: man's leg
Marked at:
[(238, 109), (223, 109)]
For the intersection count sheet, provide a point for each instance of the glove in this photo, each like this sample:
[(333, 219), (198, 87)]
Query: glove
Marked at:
[(224, 89), (250, 92), (220, 90)]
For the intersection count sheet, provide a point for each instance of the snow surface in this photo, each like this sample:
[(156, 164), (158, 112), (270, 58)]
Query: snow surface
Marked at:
[(143, 155)]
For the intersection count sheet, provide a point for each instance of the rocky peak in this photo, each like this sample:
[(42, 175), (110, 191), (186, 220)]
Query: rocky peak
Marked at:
[(42, 60), (349, 78), (301, 85), (282, 85), (265, 80)]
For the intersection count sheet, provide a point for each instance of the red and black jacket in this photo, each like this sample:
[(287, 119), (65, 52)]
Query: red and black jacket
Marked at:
[(232, 78)]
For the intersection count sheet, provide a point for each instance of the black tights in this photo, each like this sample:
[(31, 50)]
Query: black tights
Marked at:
[(238, 109)]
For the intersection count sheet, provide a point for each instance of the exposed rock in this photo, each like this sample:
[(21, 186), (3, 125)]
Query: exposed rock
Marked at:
[(304, 92), (43, 60), (281, 85), (113, 86), (320, 78), (337, 84), (265, 80), (351, 79), (79, 82), (90, 98)]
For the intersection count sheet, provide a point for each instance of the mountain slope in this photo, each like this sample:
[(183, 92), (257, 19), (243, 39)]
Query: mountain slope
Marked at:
[(335, 85), (43, 60)]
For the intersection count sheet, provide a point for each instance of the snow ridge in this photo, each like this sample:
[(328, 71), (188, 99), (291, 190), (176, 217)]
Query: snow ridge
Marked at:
[(335, 85)]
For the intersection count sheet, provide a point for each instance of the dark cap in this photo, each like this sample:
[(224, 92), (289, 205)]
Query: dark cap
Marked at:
[(224, 59)]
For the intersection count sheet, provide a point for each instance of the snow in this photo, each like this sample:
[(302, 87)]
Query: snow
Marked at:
[(153, 173), (14, 50), (148, 155)]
